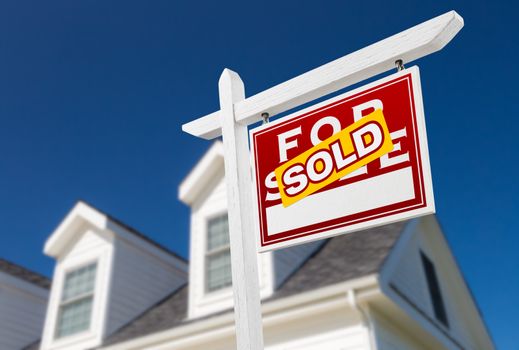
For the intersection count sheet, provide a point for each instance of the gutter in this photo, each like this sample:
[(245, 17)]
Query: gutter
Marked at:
[(274, 312), (365, 316)]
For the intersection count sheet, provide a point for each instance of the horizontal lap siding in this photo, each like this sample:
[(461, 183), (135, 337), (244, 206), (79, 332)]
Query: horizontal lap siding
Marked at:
[(90, 241), (389, 337), (409, 277), (410, 281), (21, 318), (337, 329), (139, 281)]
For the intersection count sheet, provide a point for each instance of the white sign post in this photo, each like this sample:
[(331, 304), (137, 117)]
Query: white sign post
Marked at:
[(247, 305), (237, 113)]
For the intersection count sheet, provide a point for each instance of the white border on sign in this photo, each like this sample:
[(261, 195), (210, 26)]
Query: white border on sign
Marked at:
[(424, 159)]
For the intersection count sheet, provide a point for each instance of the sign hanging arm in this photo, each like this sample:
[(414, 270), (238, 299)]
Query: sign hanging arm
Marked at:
[(409, 45)]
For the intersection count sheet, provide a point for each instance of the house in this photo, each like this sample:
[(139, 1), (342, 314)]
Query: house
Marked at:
[(388, 288), (23, 301)]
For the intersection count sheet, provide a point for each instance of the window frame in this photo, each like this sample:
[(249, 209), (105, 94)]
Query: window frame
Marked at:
[(83, 296), (220, 250)]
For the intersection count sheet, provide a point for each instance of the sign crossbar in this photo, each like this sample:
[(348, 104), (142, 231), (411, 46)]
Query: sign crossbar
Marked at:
[(409, 45)]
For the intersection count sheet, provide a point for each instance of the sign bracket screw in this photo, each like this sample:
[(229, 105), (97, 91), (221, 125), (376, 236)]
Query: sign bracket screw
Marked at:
[(265, 117), (399, 65)]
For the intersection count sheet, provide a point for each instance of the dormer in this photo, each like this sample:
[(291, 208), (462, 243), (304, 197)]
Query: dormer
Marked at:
[(210, 291), (106, 274)]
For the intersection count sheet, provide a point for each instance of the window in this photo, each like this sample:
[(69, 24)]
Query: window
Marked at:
[(76, 301), (218, 255), (434, 290)]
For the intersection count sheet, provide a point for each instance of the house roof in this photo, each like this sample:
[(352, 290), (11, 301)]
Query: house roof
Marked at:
[(137, 233), (24, 274), (84, 211), (340, 259)]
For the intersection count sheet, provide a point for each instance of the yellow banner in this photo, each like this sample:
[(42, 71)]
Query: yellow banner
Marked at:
[(342, 153)]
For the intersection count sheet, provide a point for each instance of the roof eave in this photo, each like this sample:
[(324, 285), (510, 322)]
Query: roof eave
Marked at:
[(202, 173), (62, 235), (274, 311)]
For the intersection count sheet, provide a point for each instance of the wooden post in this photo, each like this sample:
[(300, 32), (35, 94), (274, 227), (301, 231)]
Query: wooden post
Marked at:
[(244, 262)]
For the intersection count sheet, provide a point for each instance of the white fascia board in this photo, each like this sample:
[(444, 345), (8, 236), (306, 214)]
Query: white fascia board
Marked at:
[(81, 212), (201, 174), (274, 312)]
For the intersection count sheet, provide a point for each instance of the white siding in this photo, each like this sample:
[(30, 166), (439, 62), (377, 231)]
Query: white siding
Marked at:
[(22, 312), (139, 280), (131, 275), (409, 276), (339, 329), (390, 337), (88, 242)]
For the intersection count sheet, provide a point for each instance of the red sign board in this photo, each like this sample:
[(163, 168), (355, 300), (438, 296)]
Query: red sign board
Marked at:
[(394, 186)]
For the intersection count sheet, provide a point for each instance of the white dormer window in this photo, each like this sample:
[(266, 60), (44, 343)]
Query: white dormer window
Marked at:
[(75, 309), (218, 255)]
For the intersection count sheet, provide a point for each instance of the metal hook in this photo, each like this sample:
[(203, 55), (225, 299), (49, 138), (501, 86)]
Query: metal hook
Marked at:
[(399, 65), (265, 117)]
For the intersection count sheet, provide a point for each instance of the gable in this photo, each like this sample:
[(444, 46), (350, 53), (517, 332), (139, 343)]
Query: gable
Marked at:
[(201, 175), (421, 256), (86, 241)]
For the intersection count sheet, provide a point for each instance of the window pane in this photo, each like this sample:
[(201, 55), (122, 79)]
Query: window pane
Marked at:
[(79, 282), (217, 232), (76, 306), (74, 317), (218, 271)]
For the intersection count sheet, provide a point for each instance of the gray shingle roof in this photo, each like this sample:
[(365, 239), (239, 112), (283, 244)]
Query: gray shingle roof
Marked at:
[(24, 274), (340, 259)]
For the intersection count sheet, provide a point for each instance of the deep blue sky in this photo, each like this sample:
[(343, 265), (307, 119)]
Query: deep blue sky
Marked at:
[(93, 95)]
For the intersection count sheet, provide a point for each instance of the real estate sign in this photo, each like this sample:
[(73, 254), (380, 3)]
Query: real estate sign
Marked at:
[(349, 163)]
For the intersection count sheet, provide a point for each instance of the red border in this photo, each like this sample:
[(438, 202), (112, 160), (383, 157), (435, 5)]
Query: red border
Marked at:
[(419, 201)]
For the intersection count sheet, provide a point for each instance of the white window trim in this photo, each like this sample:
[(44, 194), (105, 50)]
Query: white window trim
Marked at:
[(65, 272), (220, 292)]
